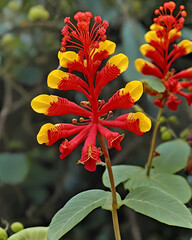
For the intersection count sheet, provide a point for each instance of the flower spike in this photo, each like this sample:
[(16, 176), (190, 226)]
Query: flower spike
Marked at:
[(92, 48), (163, 52)]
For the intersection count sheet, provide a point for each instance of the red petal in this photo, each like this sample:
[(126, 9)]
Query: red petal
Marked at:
[(113, 138), (117, 101), (67, 147), (64, 106)]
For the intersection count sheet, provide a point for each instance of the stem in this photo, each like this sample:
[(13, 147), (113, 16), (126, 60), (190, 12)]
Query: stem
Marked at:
[(151, 153), (113, 190)]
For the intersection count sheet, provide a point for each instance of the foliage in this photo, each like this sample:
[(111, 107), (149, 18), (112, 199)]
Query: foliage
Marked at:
[(34, 183)]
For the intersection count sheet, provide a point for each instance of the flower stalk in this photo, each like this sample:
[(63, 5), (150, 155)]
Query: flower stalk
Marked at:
[(153, 140), (113, 190)]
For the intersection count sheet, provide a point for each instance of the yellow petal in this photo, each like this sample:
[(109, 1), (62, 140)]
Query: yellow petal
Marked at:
[(42, 136), (174, 32), (187, 44), (67, 57), (135, 88), (145, 48), (144, 121), (151, 35), (107, 45), (155, 27), (55, 77), (42, 102), (120, 61)]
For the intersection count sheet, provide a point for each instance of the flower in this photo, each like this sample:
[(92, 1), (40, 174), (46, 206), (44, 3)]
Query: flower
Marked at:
[(92, 48), (162, 51)]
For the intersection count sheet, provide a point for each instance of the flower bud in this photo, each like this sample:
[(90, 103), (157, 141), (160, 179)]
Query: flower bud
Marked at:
[(162, 120), (16, 227), (3, 234), (166, 135), (184, 133), (163, 129), (38, 12), (14, 5), (173, 119)]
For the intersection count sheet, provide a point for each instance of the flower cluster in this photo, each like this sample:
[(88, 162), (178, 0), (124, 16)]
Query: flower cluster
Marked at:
[(92, 48), (162, 51)]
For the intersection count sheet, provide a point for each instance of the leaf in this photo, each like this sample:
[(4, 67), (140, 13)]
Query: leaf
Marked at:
[(29, 75), (13, 167), (75, 210), (108, 203), (174, 185), (186, 33), (34, 233), (121, 173), (173, 156), (155, 84), (159, 205), (132, 35)]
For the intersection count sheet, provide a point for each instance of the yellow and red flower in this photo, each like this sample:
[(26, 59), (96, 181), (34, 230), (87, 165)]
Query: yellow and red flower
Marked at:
[(93, 48), (162, 51)]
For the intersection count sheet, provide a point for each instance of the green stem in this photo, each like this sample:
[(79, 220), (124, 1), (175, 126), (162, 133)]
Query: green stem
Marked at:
[(113, 190), (152, 148)]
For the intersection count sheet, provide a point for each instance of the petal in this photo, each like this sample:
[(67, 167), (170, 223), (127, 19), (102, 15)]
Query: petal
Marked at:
[(118, 100), (67, 147), (186, 45), (53, 105), (151, 36), (138, 122), (113, 138), (187, 73), (107, 74), (107, 45), (173, 103), (67, 57), (90, 153), (147, 68), (135, 89), (58, 79), (120, 61), (174, 34), (144, 121), (50, 133), (151, 52), (42, 103)]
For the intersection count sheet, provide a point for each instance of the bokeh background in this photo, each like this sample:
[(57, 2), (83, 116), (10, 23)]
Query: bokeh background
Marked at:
[(35, 182)]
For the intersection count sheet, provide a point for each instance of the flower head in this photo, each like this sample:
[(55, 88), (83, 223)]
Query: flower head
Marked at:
[(162, 51), (94, 113)]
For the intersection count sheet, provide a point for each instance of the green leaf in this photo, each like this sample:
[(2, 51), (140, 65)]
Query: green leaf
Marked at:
[(132, 35), (159, 205), (75, 210), (121, 173), (174, 185), (34, 233), (155, 84), (13, 167), (29, 75), (173, 156)]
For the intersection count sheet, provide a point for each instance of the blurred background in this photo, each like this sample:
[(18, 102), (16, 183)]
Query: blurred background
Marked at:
[(34, 182)]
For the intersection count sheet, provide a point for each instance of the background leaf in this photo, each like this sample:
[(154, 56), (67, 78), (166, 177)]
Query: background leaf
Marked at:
[(34, 233), (132, 34), (121, 173), (159, 205), (13, 167), (174, 185), (76, 209), (155, 84), (173, 156)]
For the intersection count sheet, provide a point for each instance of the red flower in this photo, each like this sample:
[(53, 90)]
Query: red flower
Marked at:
[(163, 52), (93, 48)]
